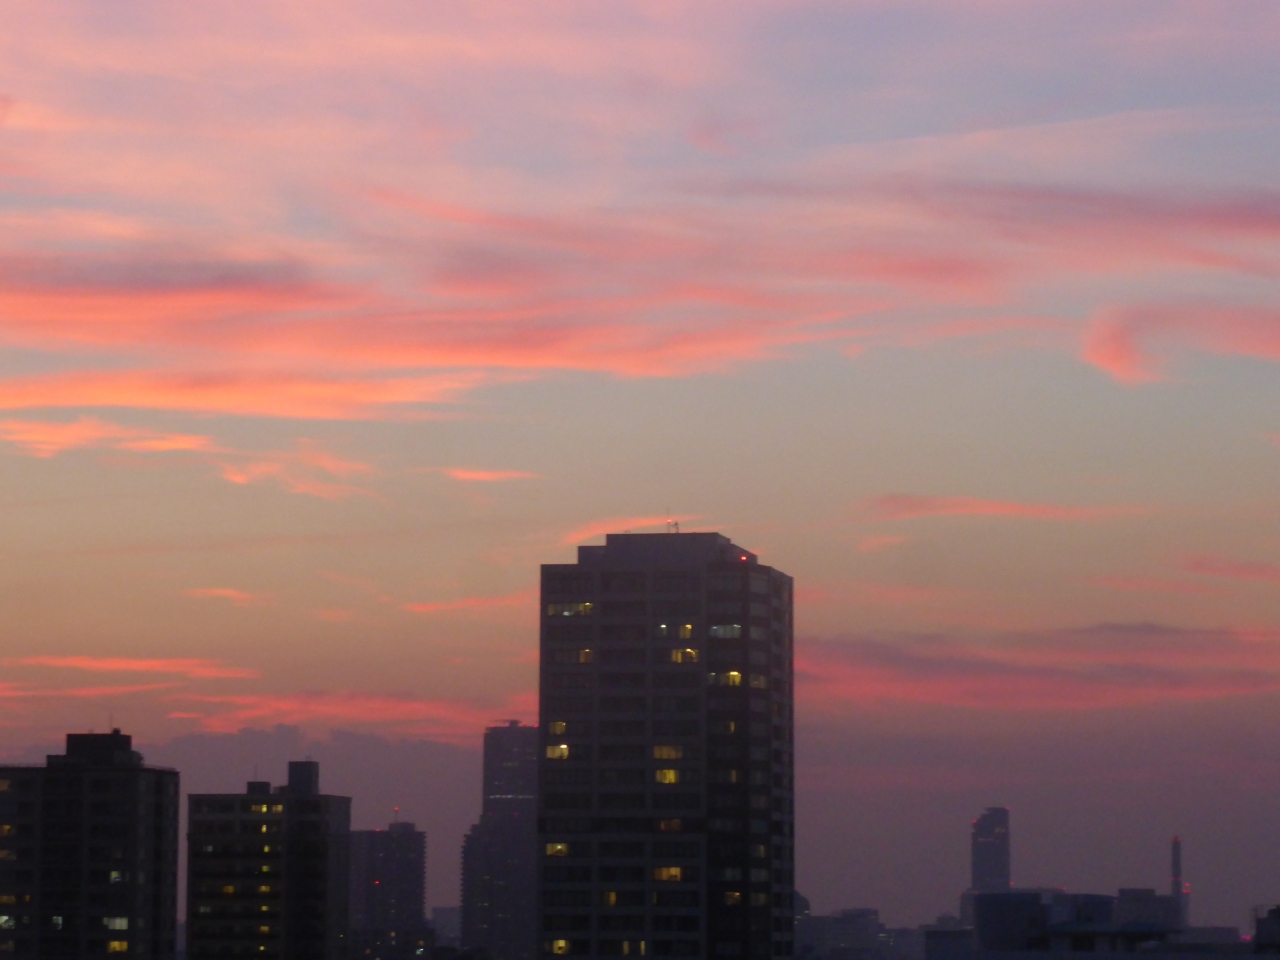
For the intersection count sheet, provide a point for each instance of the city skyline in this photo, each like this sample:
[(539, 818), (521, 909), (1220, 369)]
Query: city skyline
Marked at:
[(323, 326)]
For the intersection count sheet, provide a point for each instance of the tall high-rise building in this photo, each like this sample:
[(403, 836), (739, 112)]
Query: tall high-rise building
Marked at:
[(666, 780), (89, 853), (267, 870), (388, 877), (499, 854), (990, 862)]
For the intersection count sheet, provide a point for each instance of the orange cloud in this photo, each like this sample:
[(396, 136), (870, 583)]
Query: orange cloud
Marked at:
[(306, 469), (487, 476), (192, 669), (47, 439), (599, 528), (905, 506), (241, 598), (518, 599)]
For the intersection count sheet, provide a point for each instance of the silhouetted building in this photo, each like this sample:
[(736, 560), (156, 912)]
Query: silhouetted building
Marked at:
[(666, 791), (500, 853), (267, 871), (89, 853), (1179, 889), (387, 907), (990, 862), (845, 935), (446, 924)]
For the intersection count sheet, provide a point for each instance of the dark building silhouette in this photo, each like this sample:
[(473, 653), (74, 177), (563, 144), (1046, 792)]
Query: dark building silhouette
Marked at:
[(89, 853), (666, 791), (499, 854), (387, 903), (267, 871), (990, 862)]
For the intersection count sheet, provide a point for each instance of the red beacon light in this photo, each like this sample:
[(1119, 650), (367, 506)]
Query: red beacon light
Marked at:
[(743, 559)]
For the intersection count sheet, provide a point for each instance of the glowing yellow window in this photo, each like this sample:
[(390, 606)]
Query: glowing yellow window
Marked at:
[(557, 849), (730, 679), (610, 898), (277, 808), (585, 656), (117, 946), (258, 808), (668, 752), (759, 681), (670, 826), (684, 655), (569, 609), (6, 830), (263, 828), (557, 751), (663, 630), (7, 898), (732, 898), (666, 775), (558, 727), (266, 848), (264, 929), (560, 947), (667, 873), (265, 869), (229, 890), (264, 889), (686, 631)]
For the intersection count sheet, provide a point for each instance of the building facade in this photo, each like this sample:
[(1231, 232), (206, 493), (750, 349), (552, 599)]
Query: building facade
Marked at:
[(89, 853), (990, 861), (387, 893), (500, 853), (666, 769), (267, 871)]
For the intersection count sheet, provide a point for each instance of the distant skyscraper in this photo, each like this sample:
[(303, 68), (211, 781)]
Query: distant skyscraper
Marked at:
[(1179, 889), (666, 767), (388, 875), (499, 854), (267, 871), (89, 853), (990, 862)]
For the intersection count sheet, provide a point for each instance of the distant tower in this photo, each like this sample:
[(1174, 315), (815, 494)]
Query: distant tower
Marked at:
[(989, 852), (1178, 887)]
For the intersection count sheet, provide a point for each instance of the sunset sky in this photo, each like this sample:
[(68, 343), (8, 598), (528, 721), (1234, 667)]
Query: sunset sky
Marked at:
[(323, 324)]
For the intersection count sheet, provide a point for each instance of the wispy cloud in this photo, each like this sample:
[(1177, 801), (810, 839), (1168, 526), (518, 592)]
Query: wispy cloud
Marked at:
[(905, 506), (192, 669), (1249, 571), (598, 528), (47, 439), (486, 476), (240, 598)]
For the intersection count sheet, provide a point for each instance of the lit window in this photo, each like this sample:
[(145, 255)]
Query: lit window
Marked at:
[(7, 922), (610, 898), (277, 808), (264, 908), (585, 656), (726, 631), (686, 631), (204, 910), (731, 678), (117, 946), (6, 830), (670, 826), (684, 655), (116, 876), (8, 898), (266, 848), (560, 947), (57, 922), (264, 889), (666, 776), (569, 609), (229, 890), (264, 929), (263, 828), (663, 630), (557, 849), (759, 850), (557, 751), (265, 869), (258, 808), (732, 898), (667, 873), (668, 752), (759, 681), (116, 923)]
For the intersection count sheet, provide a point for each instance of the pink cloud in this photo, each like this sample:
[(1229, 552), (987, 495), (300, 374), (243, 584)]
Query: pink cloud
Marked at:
[(308, 469), (450, 721), (518, 599), (47, 439), (240, 598), (904, 506), (598, 528), (193, 669), (1242, 570), (487, 476)]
